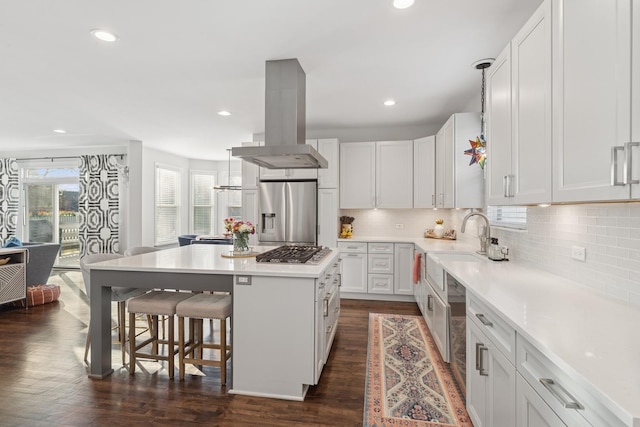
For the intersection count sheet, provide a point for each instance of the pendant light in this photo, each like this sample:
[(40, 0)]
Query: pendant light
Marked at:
[(478, 147), (228, 187)]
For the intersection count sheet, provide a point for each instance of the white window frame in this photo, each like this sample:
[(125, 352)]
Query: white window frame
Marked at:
[(510, 217), (192, 205), (167, 240)]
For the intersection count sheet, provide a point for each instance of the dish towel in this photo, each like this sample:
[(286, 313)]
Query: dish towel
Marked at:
[(416, 268)]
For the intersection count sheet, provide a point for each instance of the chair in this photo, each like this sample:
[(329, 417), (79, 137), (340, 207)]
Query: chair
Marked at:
[(197, 308), (118, 294), (185, 239), (154, 304), (137, 250), (212, 242)]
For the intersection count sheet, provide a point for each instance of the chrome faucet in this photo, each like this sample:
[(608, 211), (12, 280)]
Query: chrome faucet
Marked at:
[(484, 237)]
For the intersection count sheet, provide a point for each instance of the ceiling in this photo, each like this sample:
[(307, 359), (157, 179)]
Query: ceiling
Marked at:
[(177, 63)]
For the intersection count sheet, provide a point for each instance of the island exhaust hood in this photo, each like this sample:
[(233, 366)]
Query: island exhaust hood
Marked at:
[(285, 115)]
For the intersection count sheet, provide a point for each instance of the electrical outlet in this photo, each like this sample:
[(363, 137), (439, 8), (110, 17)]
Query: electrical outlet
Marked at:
[(579, 253), (399, 225)]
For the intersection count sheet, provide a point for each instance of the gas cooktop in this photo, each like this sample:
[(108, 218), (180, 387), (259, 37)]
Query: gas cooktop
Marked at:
[(294, 254)]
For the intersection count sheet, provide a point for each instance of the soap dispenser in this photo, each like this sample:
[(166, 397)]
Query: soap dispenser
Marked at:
[(493, 252)]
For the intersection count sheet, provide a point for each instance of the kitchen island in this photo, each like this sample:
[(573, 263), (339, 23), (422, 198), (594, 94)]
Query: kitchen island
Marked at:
[(281, 326)]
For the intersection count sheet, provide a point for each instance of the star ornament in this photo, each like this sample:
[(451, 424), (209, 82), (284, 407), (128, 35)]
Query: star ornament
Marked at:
[(477, 152)]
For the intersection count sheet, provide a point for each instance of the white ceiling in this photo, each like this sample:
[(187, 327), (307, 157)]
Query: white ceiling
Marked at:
[(177, 63)]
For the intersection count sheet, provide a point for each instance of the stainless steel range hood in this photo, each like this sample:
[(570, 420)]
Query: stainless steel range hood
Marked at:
[(285, 130)]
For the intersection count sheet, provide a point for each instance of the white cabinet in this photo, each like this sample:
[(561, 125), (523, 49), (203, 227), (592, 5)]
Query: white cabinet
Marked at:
[(403, 269), (354, 266), (357, 175), (329, 149), (376, 175), (458, 184), (519, 116), (328, 213), (424, 174), (304, 173), (250, 172), (491, 381), (250, 210), (394, 174), (531, 410), (592, 90), (573, 403)]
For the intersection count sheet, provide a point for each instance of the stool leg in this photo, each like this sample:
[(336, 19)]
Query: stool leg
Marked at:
[(223, 351), (122, 315), (154, 335), (132, 343), (200, 337), (171, 348), (181, 367)]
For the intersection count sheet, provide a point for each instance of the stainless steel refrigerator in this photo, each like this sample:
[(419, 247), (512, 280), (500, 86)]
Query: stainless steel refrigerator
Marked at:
[(288, 212)]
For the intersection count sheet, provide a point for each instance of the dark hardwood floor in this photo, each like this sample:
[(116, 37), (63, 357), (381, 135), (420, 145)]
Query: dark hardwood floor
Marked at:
[(43, 380)]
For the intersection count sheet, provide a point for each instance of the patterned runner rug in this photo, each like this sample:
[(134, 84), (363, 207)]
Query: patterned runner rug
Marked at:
[(408, 384)]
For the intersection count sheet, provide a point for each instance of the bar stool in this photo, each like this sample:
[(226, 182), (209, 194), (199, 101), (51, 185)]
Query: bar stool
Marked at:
[(154, 304), (197, 308)]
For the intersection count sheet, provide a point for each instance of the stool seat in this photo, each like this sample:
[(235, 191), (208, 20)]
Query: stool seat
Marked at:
[(158, 302), (205, 306)]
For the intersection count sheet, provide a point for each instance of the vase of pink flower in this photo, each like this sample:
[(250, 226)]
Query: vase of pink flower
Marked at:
[(241, 231)]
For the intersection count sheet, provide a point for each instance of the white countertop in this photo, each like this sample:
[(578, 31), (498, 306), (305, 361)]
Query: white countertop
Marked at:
[(208, 259), (426, 245), (589, 336)]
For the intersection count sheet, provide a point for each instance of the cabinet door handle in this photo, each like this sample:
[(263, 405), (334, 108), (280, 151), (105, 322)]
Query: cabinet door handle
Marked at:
[(433, 200), (430, 302), (480, 347), (628, 163), (504, 186), (484, 320), (325, 307), (614, 165), (561, 394)]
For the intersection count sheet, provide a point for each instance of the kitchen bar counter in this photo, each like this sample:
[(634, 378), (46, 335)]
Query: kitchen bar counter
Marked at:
[(268, 298), (589, 336)]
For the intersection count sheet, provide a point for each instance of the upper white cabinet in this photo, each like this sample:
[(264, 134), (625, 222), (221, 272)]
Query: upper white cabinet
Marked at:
[(250, 172), (357, 175), (376, 175), (424, 176), (458, 184), (519, 116), (635, 98), (592, 98), (394, 174), (328, 148)]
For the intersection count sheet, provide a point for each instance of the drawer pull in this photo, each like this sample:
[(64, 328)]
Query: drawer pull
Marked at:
[(325, 307), (484, 320), (565, 398), (480, 347)]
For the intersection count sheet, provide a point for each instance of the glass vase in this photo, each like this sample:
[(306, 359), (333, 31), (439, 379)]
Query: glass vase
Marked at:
[(241, 243)]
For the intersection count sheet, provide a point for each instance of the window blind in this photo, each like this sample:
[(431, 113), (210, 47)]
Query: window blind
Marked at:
[(508, 216), (167, 216), (203, 203)]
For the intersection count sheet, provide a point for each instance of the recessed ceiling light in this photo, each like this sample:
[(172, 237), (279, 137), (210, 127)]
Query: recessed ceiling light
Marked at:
[(60, 131), (389, 102), (402, 4), (105, 36), (224, 113)]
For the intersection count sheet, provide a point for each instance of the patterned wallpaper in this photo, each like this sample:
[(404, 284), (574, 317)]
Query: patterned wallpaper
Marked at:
[(98, 204), (9, 198)]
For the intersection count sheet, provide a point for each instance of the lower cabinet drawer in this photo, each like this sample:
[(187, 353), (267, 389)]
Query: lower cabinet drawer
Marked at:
[(501, 334), (574, 404), (380, 263), (380, 283), (531, 410)]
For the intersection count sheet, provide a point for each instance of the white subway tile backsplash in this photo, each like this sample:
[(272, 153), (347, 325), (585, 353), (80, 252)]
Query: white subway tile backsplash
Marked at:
[(609, 232)]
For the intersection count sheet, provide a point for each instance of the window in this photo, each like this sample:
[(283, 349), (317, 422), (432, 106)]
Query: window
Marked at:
[(508, 216), (203, 215), (167, 221)]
